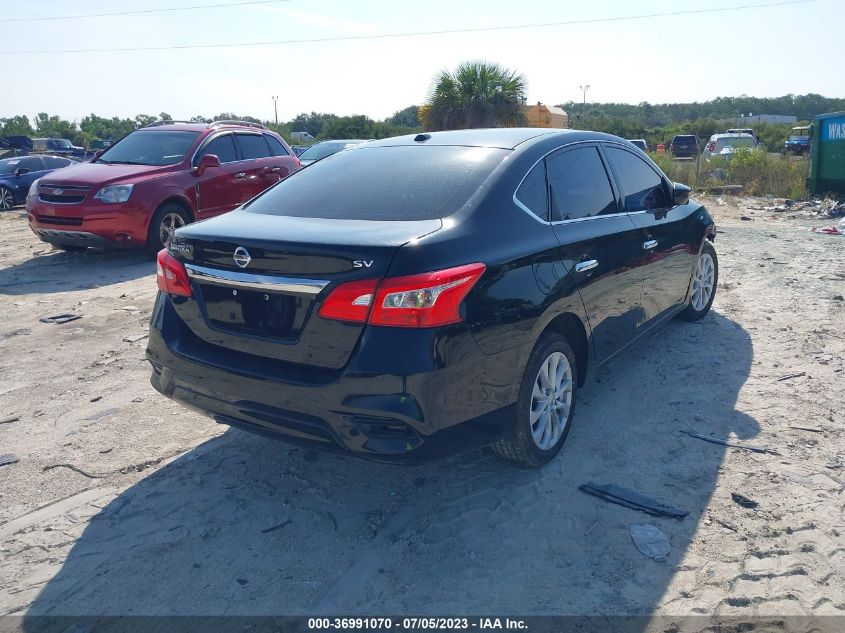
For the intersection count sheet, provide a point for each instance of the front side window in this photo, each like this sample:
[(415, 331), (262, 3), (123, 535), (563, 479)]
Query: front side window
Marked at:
[(31, 163), (253, 146), (533, 193), (578, 185), (642, 187), (223, 147), (150, 147)]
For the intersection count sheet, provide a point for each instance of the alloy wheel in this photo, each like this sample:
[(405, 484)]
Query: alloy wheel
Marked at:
[(551, 400), (169, 224), (702, 282), (7, 200)]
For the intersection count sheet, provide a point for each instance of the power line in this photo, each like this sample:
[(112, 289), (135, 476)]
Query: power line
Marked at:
[(219, 5), (349, 38)]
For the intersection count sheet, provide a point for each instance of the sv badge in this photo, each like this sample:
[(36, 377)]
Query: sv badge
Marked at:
[(363, 263)]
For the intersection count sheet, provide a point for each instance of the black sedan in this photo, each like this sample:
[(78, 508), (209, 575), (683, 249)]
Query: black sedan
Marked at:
[(428, 294)]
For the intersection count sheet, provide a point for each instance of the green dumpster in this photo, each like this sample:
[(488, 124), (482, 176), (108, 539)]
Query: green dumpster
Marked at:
[(827, 167)]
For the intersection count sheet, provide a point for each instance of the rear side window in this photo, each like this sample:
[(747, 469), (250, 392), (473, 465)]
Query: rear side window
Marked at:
[(253, 146), (642, 187), (533, 193), (578, 185), (276, 146), (56, 163), (223, 147), (31, 163), (383, 183)]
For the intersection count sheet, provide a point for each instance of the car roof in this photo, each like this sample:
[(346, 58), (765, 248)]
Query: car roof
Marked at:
[(341, 140), (732, 135), (502, 138)]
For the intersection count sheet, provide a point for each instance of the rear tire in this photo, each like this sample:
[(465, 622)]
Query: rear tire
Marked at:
[(166, 220), (705, 277), (545, 405), (7, 199)]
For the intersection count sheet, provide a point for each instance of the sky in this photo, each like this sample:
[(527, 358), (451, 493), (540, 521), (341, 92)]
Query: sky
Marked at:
[(764, 52)]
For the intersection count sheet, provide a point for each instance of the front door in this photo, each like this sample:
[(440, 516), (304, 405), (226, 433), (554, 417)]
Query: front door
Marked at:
[(599, 245), (219, 189), (667, 232)]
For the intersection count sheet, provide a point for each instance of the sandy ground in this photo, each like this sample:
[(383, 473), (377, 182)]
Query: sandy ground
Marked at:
[(170, 513)]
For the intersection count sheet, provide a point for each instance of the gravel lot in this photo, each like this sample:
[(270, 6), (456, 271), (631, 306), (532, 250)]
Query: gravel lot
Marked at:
[(124, 503)]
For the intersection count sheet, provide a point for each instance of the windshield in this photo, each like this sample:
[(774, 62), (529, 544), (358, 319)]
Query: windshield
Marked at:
[(8, 166), (800, 131), (321, 150), (150, 147), (414, 183)]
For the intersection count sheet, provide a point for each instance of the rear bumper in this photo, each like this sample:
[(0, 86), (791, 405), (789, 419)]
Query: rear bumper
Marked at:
[(376, 414)]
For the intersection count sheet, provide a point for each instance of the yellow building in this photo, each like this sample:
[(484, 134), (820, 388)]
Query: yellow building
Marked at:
[(545, 116)]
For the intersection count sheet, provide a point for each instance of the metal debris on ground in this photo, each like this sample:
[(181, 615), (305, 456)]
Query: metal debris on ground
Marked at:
[(284, 523), (745, 502), (60, 318), (650, 540), (748, 447), (9, 419), (791, 376), (631, 499), (8, 458), (800, 427), (135, 338)]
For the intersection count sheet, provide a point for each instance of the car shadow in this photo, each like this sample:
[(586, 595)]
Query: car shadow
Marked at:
[(63, 271), (246, 526)]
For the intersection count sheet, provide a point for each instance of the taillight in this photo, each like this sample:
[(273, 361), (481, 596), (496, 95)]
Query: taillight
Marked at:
[(171, 275), (425, 300), (711, 147), (350, 301)]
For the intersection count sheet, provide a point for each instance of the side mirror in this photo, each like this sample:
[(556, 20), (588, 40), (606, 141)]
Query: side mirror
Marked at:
[(20, 171), (680, 193), (208, 161)]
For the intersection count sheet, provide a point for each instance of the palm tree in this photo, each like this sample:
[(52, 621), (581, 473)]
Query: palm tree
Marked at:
[(478, 94)]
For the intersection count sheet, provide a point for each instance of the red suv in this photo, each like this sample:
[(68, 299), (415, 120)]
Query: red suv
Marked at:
[(156, 179)]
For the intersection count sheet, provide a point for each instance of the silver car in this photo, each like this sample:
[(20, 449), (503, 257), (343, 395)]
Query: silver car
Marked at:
[(726, 144)]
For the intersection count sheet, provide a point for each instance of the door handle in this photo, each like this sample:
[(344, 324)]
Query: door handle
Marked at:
[(581, 267), (276, 170), (240, 175), (649, 244)]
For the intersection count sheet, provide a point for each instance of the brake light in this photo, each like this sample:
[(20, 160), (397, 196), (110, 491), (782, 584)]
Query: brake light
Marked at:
[(426, 300), (350, 301), (711, 147), (171, 275)]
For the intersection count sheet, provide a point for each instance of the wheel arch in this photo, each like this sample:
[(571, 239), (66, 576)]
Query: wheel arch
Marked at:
[(570, 326), (180, 200)]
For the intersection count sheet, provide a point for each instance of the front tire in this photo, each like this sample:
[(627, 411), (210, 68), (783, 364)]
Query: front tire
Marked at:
[(7, 199), (545, 405), (703, 284), (166, 220)]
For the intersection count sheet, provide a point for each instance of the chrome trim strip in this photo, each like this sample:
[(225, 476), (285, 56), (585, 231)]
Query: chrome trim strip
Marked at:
[(257, 282)]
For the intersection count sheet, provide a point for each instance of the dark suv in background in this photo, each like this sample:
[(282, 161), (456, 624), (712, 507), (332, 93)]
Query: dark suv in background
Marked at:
[(684, 146), (156, 179)]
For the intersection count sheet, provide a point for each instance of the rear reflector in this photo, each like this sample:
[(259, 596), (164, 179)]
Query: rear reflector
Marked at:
[(171, 275), (425, 300)]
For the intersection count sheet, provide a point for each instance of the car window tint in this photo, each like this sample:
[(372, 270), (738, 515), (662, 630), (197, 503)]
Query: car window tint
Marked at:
[(55, 163), (578, 185), (253, 146), (276, 146), (413, 183), (642, 188), (532, 193), (32, 164), (223, 147)]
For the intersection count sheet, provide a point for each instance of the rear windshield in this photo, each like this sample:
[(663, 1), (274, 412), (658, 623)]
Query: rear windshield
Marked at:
[(684, 139), (383, 183), (738, 141), (149, 147)]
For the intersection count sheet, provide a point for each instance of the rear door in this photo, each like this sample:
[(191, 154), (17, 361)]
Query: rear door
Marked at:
[(219, 190), (256, 164), (599, 245), (667, 233), (282, 164)]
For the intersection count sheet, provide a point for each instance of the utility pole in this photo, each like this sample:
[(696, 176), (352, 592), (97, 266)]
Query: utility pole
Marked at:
[(584, 90), (276, 109)]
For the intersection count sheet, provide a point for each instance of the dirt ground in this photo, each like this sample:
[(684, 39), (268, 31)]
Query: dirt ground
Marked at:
[(122, 502)]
